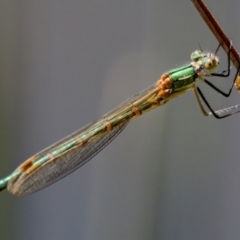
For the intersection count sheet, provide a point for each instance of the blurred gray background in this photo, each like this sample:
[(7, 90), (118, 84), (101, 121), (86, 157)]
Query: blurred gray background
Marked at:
[(172, 173)]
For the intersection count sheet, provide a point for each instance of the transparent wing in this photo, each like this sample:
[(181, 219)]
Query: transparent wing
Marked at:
[(52, 171), (65, 156)]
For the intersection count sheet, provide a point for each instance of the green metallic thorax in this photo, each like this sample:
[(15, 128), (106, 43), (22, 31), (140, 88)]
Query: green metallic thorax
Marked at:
[(182, 77)]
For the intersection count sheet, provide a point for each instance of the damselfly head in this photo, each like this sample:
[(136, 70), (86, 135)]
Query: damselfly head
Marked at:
[(210, 61), (205, 60)]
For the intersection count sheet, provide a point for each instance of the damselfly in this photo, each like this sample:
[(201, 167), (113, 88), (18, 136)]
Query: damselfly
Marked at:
[(65, 156)]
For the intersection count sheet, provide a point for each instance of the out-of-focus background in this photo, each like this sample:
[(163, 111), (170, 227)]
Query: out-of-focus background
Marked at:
[(172, 173)]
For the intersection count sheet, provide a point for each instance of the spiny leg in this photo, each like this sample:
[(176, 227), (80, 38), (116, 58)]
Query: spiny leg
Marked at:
[(198, 92), (225, 94)]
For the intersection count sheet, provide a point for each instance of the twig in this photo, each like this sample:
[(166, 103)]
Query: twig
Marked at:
[(216, 30)]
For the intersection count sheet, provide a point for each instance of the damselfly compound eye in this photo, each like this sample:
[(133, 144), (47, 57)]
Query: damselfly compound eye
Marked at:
[(211, 64), (195, 56)]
